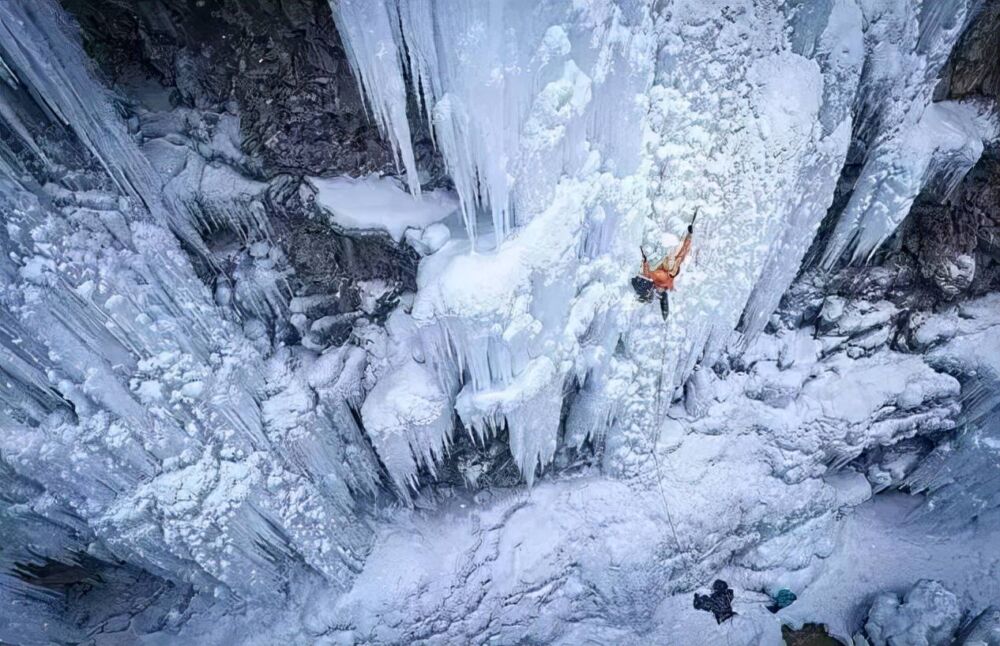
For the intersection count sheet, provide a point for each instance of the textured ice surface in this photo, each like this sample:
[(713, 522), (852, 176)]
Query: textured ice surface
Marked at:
[(206, 431), (746, 114)]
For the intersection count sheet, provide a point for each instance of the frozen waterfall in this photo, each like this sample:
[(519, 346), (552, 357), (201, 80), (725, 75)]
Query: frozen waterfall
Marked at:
[(602, 126), (148, 419), (416, 400)]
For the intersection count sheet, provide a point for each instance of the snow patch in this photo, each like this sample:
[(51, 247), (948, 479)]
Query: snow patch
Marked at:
[(376, 203)]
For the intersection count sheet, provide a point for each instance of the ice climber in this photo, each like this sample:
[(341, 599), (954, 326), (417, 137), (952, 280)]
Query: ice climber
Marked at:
[(660, 279)]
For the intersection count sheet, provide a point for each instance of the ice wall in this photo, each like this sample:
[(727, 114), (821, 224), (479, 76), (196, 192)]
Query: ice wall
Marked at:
[(541, 132), (746, 112), (745, 156), (142, 419)]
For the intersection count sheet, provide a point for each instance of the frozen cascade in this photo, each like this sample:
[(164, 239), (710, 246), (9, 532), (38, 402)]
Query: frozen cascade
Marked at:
[(407, 414), (760, 158), (761, 168), (162, 432), (831, 34), (160, 412), (556, 114), (41, 53), (938, 150)]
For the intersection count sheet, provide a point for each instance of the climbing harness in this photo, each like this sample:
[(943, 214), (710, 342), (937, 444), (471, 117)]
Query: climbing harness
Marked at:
[(660, 279)]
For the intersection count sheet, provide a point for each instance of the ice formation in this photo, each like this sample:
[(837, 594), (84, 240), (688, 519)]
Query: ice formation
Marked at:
[(144, 416), (527, 133), (184, 399)]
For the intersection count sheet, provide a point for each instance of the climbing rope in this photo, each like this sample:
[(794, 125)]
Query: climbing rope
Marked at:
[(656, 458)]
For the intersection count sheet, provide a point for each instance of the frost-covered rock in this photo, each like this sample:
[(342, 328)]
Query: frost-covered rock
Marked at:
[(984, 629), (952, 276), (927, 614)]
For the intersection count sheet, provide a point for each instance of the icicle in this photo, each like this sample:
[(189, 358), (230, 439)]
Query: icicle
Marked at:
[(366, 28), (938, 150), (35, 42)]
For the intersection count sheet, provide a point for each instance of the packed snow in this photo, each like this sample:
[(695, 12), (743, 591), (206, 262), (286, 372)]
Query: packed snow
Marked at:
[(379, 204)]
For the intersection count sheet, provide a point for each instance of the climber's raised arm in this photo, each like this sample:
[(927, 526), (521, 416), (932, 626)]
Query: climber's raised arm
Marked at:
[(672, 263), (682, 252)]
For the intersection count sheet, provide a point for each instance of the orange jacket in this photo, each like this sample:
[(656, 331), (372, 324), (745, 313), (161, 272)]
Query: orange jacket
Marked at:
[(666, 271)]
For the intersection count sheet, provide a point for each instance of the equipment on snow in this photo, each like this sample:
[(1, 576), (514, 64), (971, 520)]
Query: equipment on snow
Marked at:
[(783, 599), (719, 603)]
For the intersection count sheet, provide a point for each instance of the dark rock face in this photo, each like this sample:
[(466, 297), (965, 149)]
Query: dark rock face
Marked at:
[(949, 244), (974, 69), (280, 61), (954, 246)]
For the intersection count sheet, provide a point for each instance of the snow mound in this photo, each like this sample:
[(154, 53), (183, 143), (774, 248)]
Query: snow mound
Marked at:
[(929, 614), (376, 203)]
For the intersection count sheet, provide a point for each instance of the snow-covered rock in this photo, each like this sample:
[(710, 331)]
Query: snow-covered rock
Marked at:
[(927, 614), (379, 204)]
